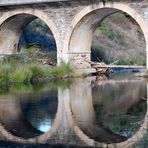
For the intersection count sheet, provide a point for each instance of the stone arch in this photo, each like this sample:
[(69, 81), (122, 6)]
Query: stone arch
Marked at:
[(17, 19), (83, 25)]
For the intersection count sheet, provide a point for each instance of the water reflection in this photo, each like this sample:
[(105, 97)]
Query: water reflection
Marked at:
[(28, 115), (109, 111), (89, 111)]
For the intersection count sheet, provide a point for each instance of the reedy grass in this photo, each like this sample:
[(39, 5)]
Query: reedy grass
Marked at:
[(32, 73)]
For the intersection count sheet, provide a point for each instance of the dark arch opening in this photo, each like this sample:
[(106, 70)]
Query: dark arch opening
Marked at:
[(26, 31)]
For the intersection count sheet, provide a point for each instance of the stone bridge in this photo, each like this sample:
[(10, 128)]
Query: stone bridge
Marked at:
[(71, 22)]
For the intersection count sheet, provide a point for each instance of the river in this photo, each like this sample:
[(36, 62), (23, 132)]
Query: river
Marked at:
[(84, 112)]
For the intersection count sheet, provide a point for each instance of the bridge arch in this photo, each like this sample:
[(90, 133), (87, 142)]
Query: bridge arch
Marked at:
[(13, 22), (79, 37)]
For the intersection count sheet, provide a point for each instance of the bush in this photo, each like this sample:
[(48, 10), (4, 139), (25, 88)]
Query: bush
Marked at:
[(15, 59), (62, 71), (5, 71), (131, 61), (21, 75), (38, 72), (34, 73)]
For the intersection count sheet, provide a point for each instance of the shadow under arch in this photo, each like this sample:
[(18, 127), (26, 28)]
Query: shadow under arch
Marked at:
[(79, 36), (12, 23)]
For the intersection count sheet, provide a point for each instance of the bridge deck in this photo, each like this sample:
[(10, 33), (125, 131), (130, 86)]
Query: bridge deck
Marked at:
[(21, 2)]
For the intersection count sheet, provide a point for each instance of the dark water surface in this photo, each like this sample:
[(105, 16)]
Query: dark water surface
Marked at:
[(84, 112)]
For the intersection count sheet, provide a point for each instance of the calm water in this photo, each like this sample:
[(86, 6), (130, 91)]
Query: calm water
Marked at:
[(82, 112)]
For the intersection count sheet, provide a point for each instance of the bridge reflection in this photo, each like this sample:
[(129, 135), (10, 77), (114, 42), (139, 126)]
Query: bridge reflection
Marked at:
[(87, 113)]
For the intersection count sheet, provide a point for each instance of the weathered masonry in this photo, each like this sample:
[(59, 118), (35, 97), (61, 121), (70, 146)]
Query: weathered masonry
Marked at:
[(72, 23)]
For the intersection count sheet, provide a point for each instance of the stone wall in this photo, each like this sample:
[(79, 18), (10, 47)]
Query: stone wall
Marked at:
[(20, 2), (72, 24)]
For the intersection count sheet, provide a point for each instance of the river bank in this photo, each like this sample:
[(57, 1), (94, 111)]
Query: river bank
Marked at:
[(33, 73), (32, 66)]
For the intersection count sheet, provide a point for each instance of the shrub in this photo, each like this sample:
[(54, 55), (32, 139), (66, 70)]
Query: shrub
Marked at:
[(15, 59), (21, 75), (62, 71), (38, 72), (5, 71), (34, 73)]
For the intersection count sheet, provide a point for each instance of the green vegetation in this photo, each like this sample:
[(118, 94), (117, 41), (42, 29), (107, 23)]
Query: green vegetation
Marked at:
[(32, 73), (131, 61), (22, 88), (128, 123), (32, 54), (25, 68), (143, 143), (98, 52), (119, 38), (39, 26), (113, 35)]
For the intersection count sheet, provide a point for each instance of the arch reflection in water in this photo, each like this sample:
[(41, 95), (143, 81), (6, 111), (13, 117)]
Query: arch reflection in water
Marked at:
[(110, 111), (29, 114), (89, 113)]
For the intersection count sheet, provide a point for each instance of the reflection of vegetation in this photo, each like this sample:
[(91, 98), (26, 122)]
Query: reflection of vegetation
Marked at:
[(59, 83), (20, 88), (123, 125), (120, 109), (126, 124), (143, 143), (138, 109)]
